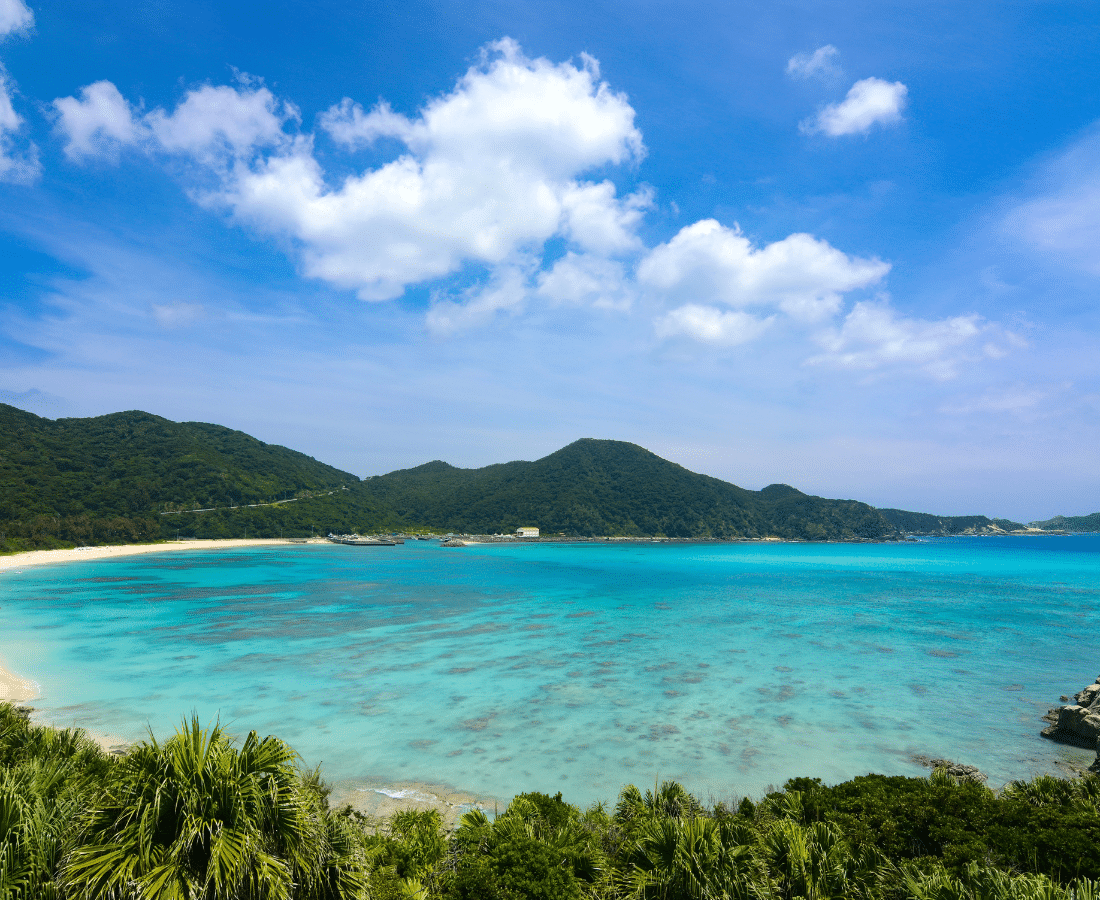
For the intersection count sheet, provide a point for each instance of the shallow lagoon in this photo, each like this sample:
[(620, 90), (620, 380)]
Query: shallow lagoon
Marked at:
[(580, 667)]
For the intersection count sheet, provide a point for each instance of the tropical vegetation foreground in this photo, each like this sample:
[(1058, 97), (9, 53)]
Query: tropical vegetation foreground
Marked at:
[(199, 816)]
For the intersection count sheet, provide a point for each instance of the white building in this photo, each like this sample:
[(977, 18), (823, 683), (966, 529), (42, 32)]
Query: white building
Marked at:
[(527, 532)]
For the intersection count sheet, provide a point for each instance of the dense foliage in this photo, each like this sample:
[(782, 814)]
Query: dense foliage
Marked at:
[(1079, 524), (926, 523), (602, 488), (111, 479), (200, 818)]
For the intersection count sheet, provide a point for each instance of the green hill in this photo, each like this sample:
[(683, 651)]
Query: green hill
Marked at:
[(1078, 524), (928, 524), (597, 487), (133, 476), (112, 478)]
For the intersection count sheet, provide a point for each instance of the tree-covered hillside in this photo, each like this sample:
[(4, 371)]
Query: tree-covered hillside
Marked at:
[(597, 487), (1078, 524), (110, 479), (133, 476), (928, 524)]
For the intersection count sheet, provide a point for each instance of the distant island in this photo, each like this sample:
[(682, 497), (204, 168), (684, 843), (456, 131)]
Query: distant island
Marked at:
[(135, 477)]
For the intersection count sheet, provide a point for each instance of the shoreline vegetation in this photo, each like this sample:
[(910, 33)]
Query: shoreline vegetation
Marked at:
[(200, 814)]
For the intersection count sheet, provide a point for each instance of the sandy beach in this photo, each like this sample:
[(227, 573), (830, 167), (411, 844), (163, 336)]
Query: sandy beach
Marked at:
[(84, 554), (16, 689)]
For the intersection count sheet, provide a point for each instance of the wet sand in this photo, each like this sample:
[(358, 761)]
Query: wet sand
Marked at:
[(19, 561)]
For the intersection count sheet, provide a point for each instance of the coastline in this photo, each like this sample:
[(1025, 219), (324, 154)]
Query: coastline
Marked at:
[(374, 794), (14, 689), (376, 801), (85, 554)]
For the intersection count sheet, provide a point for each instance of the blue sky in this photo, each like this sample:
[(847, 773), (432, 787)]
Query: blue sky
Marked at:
[(851, 247)]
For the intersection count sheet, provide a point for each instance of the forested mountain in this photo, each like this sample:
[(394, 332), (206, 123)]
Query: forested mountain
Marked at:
[(134, 476), (928, 524), (110, 478), (595, 487), (1079, 524)]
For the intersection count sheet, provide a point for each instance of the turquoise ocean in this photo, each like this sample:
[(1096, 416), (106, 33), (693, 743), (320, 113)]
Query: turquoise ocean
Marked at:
[(579, 667)]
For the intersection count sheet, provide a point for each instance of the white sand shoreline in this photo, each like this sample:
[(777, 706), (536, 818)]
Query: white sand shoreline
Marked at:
[(15, 689), (19, 561)]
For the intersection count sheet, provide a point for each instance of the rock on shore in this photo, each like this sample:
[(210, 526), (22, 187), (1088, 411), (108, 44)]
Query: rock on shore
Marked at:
[(958, 771), (1078, 723)]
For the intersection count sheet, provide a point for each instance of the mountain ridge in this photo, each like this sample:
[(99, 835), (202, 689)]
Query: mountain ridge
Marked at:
[(132, 476)]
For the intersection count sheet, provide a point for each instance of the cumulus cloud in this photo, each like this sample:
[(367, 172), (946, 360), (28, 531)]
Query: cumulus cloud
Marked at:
[(99, 122), (875, 336), (491, 169), (18, 159), (870, 102), (222, 119), (586, 280), (18, 163), (800, 275), (595, 220), (209, 124), (711, 325), (822, 63), (486, 178), (15, 17)]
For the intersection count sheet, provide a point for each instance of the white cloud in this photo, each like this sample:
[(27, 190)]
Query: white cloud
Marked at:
[(10, 120), (348, 125), (874, 336), (1061, 218), (15, 16), (586, 280), (98, 123), (208, 124), (492, 170), (707, 263), (488, 174), (17, 164), (507, 290), (213, 120), (596, 220), (870, 102), (711, 325), (822, 63)]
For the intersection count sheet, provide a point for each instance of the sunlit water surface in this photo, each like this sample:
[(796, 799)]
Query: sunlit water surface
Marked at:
[(579, 667)]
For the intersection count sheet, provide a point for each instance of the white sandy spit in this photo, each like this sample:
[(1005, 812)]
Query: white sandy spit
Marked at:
[(19, 561)]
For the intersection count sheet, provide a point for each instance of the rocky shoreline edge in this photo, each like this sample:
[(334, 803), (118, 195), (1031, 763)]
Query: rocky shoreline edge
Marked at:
[(1077, 723)]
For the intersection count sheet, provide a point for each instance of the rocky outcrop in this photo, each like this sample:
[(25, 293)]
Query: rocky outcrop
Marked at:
[(958, 771), (1078, 723)]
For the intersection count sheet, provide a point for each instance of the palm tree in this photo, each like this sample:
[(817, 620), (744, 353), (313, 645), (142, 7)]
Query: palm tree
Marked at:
[(671, 800), (809, 861), (695, 859), (195, 818), (40, 799), (47, 778)]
